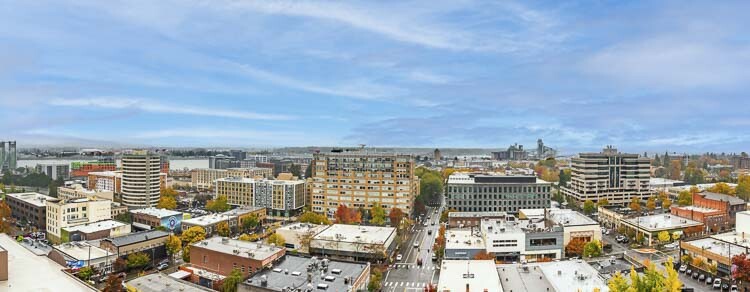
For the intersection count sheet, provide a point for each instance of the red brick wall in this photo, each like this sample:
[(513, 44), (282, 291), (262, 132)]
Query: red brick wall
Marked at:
[(224, 263), (700, 201), (716, 220)]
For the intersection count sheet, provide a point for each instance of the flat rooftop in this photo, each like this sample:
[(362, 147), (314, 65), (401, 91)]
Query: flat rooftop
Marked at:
[(291, 271), (106, 173), (252, 250), (242, 210), (159, 282), (568, 217), (720, 243), (137, 237), (493, 178), (158, 213), (79, 250), (356, 233), (95, 226), (35, 199), (29, 272), (551, 276), (463, 239), (476, 214), (660, 222), (697, 209), (302, 227), (208, 220), (479, 275)]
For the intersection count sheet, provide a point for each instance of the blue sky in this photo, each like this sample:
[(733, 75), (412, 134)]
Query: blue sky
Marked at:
[(643, 75)]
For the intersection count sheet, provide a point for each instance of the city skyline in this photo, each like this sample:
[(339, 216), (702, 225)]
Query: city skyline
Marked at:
[(443, 74)]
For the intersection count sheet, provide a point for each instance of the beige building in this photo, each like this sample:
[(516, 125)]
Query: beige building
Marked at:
[(204, 178), (361, 179), (610, 175), (105, 181), (280, 197), (77, 191), (65, 213), (141, 179)]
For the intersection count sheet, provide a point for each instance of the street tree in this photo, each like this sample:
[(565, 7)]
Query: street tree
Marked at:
[(483, 255), (396, 215), (592, 249), (575, 247), (252, 222), (378, 215), (193, 235), (173, 245), (218, 205), (635, 204), (743, 187), (651, 203), (230, 283), (167, 202), (223, 229), (664, 236), (602, 202), (276, 239), (314, 218), (589, 207), (138, 259)]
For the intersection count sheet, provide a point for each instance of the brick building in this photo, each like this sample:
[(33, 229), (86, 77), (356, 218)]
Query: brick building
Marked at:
[(29, 207), (221, 255), (713, 219), (151, 242), (725, 203)]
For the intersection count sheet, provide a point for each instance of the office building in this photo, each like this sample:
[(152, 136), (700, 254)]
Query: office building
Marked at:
[(714, 220), (30, 208), (354, 242), (151, 218), (282, 198), (82, 254), (83, 168), (610, 175), (77, 191), (205, 178), (63, 213), (55, 170), (650, 226), (8, 156), (571, 275), (472, 219), (575, 225), (141, 179), (105, 181), (514, 152), (359, 179), (221, 161), (530, 240), (291, 273), (436, 155), (221, 255), (475, 192), (463, 244)]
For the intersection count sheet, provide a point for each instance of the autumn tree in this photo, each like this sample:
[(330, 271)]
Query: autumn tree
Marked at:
[(575, 247), (602, 202), (314, 218), (743, 187), (173, 245), (119, 265), (618, 283), (675, 171), (193, 235), (113, 284), (666, 203), (138, 259), (396, 215), (684, 198), (218, 205), (276, 239), (5, 217), (589, 207), (169, 192), (167, 202), (376, 276), (635, 204), (742, 271), (346, 215), (378, 215), (444, 215), (722, 188), (483, 255), (592, 249), (664, 236), (651, 203), (251, 222), (249, 237)]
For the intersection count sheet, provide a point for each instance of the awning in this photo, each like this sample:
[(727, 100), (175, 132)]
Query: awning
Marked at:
[(180, 275)]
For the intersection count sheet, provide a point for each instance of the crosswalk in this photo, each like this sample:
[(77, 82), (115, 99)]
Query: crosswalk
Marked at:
[(405, 284), (417, 267)]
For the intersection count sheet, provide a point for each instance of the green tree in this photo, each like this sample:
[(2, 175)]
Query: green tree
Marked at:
[(218, 205), (592, 249), (376, 276), (231, 282), (444, 215), (378, 215), (664, 236), (223, 229), (85, 273), (193, 235), (314, 218), (173, 245), (602, 202), (138, 259), (684, 198), (589, 207), (252, 222), (743, 187), (276, 239)]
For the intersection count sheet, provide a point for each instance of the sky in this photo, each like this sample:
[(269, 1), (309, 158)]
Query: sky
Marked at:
[(640, 75)]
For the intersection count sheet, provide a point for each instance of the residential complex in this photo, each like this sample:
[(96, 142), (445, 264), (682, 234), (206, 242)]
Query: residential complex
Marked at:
[(478, 192), (141, 184), (63, 213), (280, 197), (359, 179), (205, 178), (610, 175), (77, 191), (83, 168)]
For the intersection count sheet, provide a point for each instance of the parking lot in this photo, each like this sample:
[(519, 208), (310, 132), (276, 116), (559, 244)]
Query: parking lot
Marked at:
[(697, 284)]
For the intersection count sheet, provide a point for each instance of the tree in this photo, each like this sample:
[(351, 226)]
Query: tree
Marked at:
[(186, 254), (114, 284), (85, 273), (346, 215), (314, 218), (5, 217), (193, 235), (296, 170), (396, 215), (444, 215), (218, 205), (675, 171), (651, 203), (743, 187), (376, 276), (276, 239), (651, 280), (169, 192), (223, 229), (231, 282), (483, 255), (672, 282), (742, 271), (664, 236), (378, 215), (249, 237), (138, 259), (618, 283), (722, 188), (119, 265), (666, 203), (592, 249), (684, 198), (635, 204), (656, 161), (602, 202), (575, 247), (173, 245), (589, 207), (167, 202), (252, 222)]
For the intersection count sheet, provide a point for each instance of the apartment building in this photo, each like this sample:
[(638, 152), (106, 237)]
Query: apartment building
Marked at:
[(205, 178), (141, 179), (83, 168), (105, 181), (29, 207), (77, 191), (359, 179), (492, 192), (610, 175), (281, 197), (63, 213)]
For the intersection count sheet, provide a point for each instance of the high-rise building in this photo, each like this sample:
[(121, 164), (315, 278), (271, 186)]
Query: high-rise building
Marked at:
[(7, 158), (479, 192), (141, 182), (279, 197), (358, 179), (221, 161), (610, 175), (514, 152), (437, 156)]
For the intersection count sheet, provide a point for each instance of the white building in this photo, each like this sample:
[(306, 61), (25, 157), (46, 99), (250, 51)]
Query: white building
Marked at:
[(296, 233), (105, 181), (469, 276), (575, 225), (354, 241), (83, 254), (280, 197), (141, 179), (64, 213), (91, 231), (551, 276)]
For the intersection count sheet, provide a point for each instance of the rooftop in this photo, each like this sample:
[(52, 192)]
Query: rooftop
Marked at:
[(722, 197), (568, 217), (463, 239), (106, 173), (159, 282), (722, 244), (208, 220), (81, 251), (664, 181), (302, 227), (252, 250), (696, 209), (291, 271), (95, 226), (35, 199), (137, 237), (242, 210), (478, 275), (476, 214), (356, 233), (660, 222), (551, 276), (262, 180), (158, 213), (27, 269), (492, 177)]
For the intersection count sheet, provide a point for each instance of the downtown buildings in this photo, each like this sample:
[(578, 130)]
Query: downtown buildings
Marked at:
[(491, 192), (205, 178), (8, 156), (141, 179), (611, 175), (282, 198), (359, 179)]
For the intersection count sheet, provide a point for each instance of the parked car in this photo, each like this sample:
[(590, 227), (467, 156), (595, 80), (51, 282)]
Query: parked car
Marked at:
[(671, 245), (683, 268), (717, 284), (709, 280), (434, 257), (724, 286), (734, 288), (701, 277), (696, 275), (689, 272), (399, 257), (162, 266)]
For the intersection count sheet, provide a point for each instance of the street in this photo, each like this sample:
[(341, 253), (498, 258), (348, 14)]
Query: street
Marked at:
[(407, 275)]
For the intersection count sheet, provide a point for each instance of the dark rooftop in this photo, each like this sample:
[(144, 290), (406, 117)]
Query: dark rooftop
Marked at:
[(292, 271), (722, 197), (137, 237)]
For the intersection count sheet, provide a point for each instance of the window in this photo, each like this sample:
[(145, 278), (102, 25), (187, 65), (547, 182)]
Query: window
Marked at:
[(205, 259)]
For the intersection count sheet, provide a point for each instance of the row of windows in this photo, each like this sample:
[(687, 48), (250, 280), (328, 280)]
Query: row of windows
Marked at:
[(498, 189)]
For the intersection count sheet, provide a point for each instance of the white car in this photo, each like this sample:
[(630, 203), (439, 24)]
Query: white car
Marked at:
[(399, 257), (671, 245), (683, 268)]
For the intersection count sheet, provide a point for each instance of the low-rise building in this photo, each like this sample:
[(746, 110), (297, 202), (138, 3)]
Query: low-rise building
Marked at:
[(151, 242), (575, 225), (232, 217), (292, 272), (221, 255), (471, 275), (82, 254), (244, 212), (472, 219), (64, 213), (105, 181), (355, 242), (29, 207), (650, 226), (714, 220), (158, 282), (463, 244), (205, 178), (282, 198), (298, 235), (725, 203), (550, 276), (720, 248), (528, 240), (151, 218), (77, 191), (610, 216), (95, 230), (55, 170)]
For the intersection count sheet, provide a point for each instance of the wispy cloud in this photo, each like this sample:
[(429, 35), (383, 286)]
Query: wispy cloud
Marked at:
[(159, 107)]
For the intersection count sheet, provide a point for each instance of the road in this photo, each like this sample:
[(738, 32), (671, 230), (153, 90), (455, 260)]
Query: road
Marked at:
[(406, 275)]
